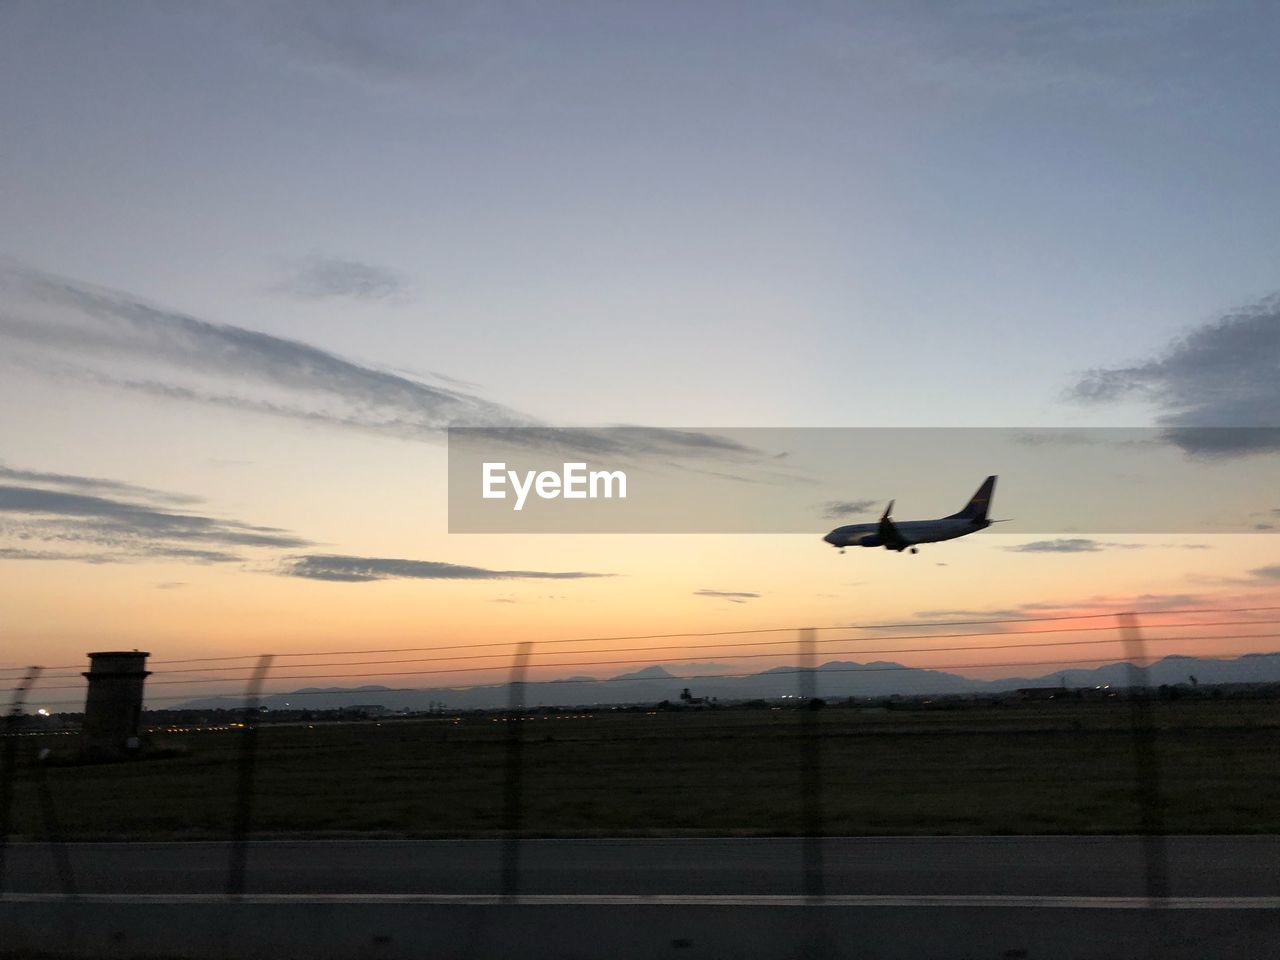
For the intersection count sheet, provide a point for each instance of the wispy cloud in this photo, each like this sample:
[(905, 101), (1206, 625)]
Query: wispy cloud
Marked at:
[(348, 569), (839, 509), (1072, 545), (1153, 603), (24, 553), (44, 523), (630, 441), (1119, 438), (121, 517), (389, 45), (48, 523), (97, 485), (323, 278), (64, 328), (114, 339), (967, 613), (1121, 55), (733, 596), (1217, 388), (1271, 572)]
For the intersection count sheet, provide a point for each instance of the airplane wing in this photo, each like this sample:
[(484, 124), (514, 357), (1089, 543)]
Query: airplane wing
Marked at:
[(889, 534)]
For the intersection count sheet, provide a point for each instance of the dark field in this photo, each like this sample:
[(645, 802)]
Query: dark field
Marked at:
[(1015, 768)]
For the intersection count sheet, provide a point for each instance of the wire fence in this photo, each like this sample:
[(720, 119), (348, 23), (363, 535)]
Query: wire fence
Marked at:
[(932, 644)]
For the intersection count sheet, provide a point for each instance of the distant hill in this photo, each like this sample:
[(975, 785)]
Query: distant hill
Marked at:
[(648, 673), (835, 679), (1250, 668)]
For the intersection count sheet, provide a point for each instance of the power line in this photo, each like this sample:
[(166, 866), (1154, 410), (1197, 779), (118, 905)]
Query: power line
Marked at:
[(789, 642), (507, 645), (745, 656)]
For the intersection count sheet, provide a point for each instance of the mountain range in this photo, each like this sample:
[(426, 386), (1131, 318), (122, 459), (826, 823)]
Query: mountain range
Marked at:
[(836, 679)]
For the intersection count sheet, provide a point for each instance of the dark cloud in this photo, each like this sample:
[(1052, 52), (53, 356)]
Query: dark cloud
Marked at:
[(1224, 441), (1271, 572), (733, 596), (1218, 388), (348, 569), (322, 278), (839, 509)]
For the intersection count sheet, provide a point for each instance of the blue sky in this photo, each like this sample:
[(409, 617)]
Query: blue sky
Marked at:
[(786, 195)]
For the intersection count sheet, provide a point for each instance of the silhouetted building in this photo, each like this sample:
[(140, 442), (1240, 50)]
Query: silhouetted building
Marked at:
[(113, 705)]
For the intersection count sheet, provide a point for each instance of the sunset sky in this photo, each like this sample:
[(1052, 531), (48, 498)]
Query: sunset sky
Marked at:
[(255, 258)]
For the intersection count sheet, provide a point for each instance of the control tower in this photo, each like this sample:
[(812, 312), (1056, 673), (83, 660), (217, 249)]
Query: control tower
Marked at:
[(113, 706)]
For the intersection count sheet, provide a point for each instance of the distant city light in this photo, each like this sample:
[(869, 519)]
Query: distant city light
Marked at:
[(43, 712)]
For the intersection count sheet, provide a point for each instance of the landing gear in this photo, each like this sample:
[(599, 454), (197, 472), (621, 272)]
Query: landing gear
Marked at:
[(842, 549), (914, 550)]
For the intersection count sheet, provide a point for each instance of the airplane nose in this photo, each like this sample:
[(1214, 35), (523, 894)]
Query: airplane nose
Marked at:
[(830, 538)]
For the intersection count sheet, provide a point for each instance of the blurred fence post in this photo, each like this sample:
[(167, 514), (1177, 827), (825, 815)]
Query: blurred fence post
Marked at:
[(811, 772), (53, 828), (513, 784), (9, 762), (242, 823), (1146, 762)]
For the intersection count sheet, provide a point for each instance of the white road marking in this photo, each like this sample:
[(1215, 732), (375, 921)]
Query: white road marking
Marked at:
[(674, 900)]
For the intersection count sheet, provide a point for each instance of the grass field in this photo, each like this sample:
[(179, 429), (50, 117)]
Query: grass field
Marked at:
[(1014, 768)]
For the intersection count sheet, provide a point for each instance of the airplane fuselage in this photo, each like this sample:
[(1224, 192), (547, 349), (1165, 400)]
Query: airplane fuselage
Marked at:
[(911, 532)]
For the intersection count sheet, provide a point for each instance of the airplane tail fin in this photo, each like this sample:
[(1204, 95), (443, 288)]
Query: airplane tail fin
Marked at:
[(976, 508)]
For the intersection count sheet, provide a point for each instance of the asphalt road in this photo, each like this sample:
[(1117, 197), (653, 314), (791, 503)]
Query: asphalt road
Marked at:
[(913, 866)]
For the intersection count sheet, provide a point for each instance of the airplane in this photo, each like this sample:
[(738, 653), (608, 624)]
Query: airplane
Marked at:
[(905, 534)]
